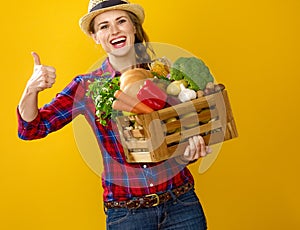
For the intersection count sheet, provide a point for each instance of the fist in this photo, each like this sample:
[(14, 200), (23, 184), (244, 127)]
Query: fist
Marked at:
[(43, 77)]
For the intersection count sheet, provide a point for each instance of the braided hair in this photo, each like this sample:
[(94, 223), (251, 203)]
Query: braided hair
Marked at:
[(143, 49)]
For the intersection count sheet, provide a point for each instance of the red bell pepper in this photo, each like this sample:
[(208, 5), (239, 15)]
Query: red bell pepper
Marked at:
[(150, 94)]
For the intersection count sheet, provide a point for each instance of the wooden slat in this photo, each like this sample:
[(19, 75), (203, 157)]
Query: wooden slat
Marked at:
[(214, 138), (231, 126), (179, 136), (222, 115), (140, 157), (155, 132), (204, 102), (122, 138), (183, 108), (173, 125), (137, 144), (202, 116)]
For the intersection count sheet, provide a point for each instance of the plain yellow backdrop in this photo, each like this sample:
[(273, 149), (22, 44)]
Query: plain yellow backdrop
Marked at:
[(250, 46)]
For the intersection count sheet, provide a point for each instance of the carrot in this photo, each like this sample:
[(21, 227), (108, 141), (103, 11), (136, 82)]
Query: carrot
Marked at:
[(132, 102), (120, 105), (119, 94)]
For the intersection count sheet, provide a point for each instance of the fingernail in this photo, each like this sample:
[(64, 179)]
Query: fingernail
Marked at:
[(208, 149)]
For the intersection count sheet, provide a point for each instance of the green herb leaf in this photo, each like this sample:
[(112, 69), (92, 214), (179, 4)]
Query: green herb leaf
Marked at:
[(102, 90)]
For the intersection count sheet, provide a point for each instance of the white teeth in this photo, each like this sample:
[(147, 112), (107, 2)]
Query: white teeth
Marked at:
[(118, 40)]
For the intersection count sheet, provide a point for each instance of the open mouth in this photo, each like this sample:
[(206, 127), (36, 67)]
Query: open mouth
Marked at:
[(118, 42)]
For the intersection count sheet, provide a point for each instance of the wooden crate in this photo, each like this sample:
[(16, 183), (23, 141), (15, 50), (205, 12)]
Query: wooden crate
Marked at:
[(155, 137)]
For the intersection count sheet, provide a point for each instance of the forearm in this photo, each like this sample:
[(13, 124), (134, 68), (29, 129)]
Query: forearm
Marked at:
[(43, 77), (28, 105)]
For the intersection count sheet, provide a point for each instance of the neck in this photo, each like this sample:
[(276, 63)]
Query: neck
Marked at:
[(123, 63)]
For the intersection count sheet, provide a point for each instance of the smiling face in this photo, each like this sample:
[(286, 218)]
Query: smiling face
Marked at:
[(115, 32)]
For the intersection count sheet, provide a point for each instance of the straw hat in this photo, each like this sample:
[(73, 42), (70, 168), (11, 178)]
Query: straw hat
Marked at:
[(97, 7)]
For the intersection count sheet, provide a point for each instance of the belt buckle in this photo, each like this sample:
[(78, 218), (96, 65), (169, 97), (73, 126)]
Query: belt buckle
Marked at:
[(154, 195)]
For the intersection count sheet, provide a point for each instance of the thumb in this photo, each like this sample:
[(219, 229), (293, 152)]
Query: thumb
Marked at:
[(36, 58)]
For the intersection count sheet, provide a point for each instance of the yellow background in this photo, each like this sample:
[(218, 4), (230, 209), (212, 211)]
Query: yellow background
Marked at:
[(250, 46)]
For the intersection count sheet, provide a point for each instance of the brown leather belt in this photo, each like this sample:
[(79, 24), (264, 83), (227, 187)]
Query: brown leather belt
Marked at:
[(150, 200)]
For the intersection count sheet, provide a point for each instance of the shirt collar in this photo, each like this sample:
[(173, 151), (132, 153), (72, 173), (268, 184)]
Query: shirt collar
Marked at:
[(106, 67)]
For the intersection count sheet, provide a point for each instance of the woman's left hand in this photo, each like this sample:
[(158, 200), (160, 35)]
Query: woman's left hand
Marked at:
[(195, 149)]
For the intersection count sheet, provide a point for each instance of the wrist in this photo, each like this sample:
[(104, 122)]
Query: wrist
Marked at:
[(182, 160), (31, 91)]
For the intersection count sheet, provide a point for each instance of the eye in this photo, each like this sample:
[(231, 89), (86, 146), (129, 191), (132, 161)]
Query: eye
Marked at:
[(103, 27), (122, 21)]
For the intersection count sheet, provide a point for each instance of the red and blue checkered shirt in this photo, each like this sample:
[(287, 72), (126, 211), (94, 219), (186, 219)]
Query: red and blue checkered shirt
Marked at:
[(120, 180)]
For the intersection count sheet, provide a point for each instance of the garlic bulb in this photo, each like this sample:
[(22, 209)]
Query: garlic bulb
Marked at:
[(186, 94)]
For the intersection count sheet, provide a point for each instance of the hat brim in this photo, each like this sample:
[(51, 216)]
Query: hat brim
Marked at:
[(85, 21)]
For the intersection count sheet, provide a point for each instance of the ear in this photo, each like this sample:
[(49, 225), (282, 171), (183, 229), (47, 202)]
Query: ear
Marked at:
[(93, 35)]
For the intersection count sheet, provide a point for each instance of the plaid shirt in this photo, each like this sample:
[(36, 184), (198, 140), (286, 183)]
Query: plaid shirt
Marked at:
[(120, 180)]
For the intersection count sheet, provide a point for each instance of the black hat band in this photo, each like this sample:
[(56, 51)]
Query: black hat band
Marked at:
[(107, 4)]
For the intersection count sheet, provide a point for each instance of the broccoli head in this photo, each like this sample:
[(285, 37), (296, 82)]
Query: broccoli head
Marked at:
[(193, 70)]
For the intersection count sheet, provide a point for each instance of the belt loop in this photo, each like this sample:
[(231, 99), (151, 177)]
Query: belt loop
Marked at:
[(173, 196)]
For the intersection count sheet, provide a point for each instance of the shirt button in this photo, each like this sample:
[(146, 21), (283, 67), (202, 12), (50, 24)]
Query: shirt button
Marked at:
[(151, 185)]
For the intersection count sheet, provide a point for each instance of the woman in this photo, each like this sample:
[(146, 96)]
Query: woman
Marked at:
[(136, 196)]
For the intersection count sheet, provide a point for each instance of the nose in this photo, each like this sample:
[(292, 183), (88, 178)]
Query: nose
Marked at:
[(114, 29)]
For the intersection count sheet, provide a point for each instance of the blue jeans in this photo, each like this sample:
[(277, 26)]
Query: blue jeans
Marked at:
[(182, 213)]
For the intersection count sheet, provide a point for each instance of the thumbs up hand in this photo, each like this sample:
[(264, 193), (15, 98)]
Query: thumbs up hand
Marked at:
[(43, 77)]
